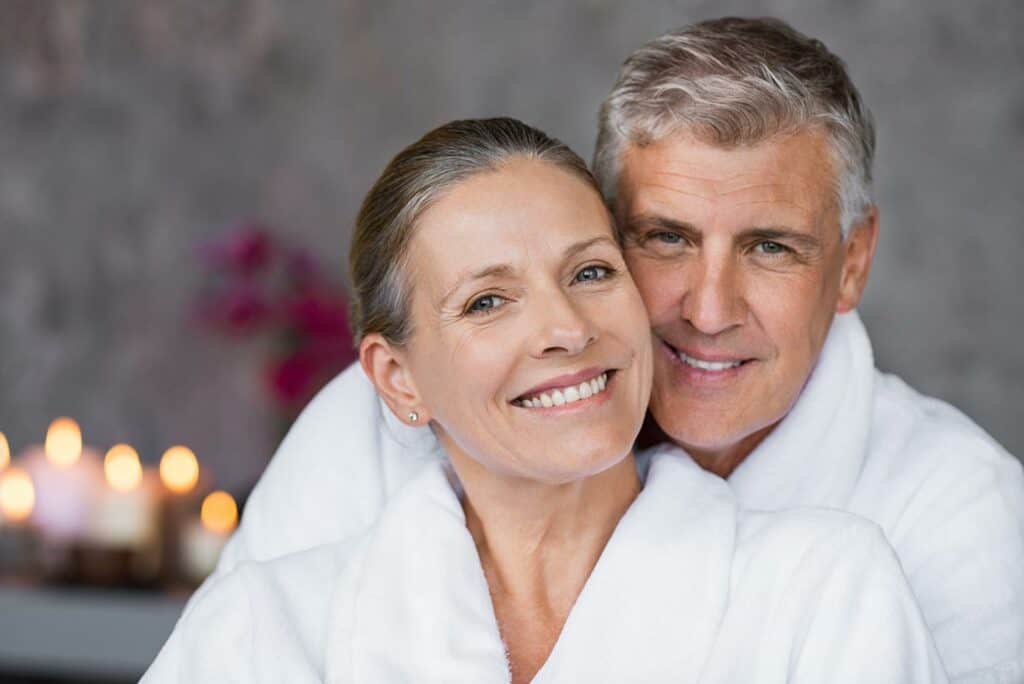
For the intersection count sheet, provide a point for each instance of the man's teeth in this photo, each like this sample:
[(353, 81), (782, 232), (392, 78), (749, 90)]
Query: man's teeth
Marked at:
[(707, 365), (568, 395)]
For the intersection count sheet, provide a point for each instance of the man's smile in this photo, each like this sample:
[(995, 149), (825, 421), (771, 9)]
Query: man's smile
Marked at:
[(706, 368)]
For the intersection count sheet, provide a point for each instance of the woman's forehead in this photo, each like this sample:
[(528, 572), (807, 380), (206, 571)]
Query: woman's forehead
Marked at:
[(527, 210)]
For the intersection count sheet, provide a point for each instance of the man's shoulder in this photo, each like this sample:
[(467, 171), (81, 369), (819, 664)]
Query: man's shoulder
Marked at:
[(936, 481), (951, 501), (294, 577), (911, 432), (331, 476), (278, 607), (797, 534), (796, 557), (283, 582)]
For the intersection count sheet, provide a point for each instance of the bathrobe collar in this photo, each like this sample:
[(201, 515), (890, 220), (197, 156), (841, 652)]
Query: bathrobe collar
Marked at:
[(815, 455), (416, 607)]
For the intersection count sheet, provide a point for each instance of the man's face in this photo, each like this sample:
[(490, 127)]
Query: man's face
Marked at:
[(738, 256)]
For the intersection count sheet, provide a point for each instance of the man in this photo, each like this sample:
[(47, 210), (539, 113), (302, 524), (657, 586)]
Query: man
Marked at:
[(736, 157)]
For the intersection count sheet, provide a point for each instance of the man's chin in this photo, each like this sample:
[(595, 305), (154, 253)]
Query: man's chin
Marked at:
[(716, 443)]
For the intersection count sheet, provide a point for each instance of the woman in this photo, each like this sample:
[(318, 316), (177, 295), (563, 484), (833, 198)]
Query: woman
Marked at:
[(492, 304)]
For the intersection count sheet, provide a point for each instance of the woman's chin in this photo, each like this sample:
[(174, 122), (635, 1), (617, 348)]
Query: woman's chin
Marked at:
[(563, 467), (545, 455)]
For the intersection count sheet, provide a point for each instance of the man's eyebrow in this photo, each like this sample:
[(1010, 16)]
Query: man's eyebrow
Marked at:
[(656, 221)]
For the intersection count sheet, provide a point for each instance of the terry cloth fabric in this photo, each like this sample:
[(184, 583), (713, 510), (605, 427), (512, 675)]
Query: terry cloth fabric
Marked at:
[(688, 589), (948, 497)]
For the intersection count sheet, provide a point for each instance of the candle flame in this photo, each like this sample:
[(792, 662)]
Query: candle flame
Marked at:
[(17, 495), (5, 452), (122, 468), (179, 469), (63, 443), (219, 512)]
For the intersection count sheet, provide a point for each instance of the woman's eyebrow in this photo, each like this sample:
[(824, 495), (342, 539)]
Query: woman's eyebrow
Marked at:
[(577, 247), (506, 270), (492, 271)]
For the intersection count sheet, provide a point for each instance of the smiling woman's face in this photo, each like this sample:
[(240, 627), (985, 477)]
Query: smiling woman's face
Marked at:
[(531, 351)]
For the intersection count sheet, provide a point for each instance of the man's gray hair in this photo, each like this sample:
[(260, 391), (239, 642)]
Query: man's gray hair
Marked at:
[(732, 82)]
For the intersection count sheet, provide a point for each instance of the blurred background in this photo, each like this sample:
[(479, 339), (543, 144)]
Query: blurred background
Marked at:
[(178, 181)]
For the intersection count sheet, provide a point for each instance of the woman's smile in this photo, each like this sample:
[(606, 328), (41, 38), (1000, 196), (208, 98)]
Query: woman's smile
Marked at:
[(568, 393)]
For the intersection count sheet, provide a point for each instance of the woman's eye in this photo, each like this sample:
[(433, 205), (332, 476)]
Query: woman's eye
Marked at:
[(485, 304), (588, 273)]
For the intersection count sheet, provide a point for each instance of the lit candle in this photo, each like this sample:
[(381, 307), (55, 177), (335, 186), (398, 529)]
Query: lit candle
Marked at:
[(64, 443), (180, 475), (17, 499), (125, 511), (67, 477), (17, 495), (179, 470), (5, 452), (122, 468), (204, 539)]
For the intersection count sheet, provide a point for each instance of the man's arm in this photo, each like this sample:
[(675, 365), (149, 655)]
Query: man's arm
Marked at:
[(954, 513), (331, 476), (867, 626)]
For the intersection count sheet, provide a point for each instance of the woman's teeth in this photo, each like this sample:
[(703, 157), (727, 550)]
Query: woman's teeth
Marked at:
[(707, 365), (568, 395)]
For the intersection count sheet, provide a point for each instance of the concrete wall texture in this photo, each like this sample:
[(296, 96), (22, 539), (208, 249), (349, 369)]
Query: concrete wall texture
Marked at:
[(130, 131)]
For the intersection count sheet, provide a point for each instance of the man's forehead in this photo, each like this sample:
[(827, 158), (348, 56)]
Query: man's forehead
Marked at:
[(793, 168)]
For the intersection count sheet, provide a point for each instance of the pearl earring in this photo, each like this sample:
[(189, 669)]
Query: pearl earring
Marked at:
[(413, 416)]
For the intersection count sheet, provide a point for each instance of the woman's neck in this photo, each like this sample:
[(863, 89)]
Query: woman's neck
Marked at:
[(538, 544)]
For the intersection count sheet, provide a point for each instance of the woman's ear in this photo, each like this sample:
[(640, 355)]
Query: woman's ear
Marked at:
[(388, 370)]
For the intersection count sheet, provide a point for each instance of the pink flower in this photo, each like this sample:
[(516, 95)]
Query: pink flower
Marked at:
[(295, 378), (332, 354), (238, 309), (303, 268), (256, 285), (291, 379), (319, 313), (246, 250)]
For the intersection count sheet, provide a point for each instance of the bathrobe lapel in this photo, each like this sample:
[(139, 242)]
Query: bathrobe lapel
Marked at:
[(415, 606), (815, 455), (651, 609)]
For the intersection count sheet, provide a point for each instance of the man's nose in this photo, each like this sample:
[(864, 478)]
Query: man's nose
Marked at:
[(714, 301), (561, 327)]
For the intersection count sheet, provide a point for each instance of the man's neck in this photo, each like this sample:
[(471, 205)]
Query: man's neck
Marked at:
[(723, 461)]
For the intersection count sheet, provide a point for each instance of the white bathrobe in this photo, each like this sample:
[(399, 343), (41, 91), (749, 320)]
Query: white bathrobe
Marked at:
[(949, 499), (689, 589)]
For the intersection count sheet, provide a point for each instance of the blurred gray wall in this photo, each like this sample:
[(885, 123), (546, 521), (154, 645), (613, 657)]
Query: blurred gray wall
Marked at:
[(130, 131)]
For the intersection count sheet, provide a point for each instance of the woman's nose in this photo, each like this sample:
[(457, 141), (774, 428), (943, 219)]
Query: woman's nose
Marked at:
[(561, 327)]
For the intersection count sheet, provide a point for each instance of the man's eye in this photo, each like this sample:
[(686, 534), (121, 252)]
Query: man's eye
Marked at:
[(771, 248), (667, 237), (485, 304), (588, 273)]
